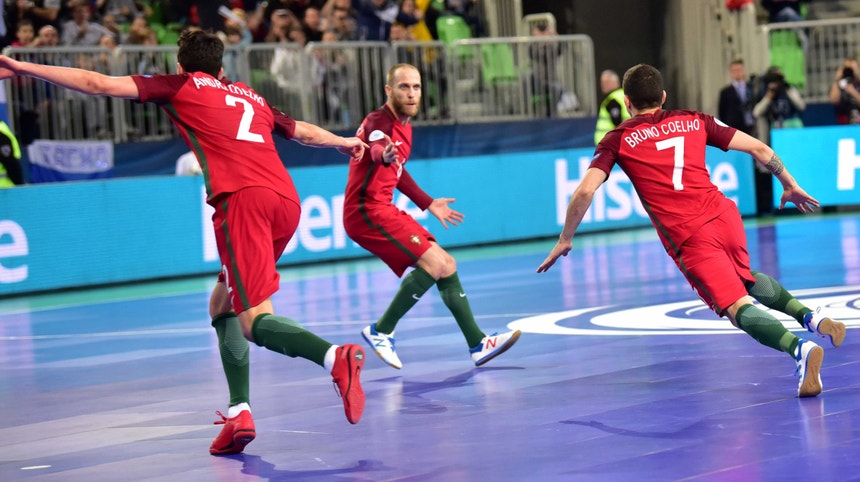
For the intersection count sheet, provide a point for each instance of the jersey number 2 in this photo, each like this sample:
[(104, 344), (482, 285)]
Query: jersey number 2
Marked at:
[(676, 143), (244, 133)]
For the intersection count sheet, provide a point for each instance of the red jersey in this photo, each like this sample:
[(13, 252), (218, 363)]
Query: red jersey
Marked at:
[(371, 184), (229, 128), (663, 154)]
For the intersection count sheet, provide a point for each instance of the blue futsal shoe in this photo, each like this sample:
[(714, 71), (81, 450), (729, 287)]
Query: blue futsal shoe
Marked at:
[(809, 357)]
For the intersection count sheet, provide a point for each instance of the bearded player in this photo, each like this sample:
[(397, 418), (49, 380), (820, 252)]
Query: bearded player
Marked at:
[(374, 222)]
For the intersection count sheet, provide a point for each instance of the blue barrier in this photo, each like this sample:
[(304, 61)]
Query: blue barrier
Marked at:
[(824, 160), (76, 234)]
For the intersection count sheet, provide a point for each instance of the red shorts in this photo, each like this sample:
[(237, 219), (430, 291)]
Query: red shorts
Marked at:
[(390, 234), (715, 261), (252, 228)]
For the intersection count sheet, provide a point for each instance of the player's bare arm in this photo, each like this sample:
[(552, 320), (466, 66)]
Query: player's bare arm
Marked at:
[(314, 136), (439, 208), (764, 155), (85, 81), (579, 203)]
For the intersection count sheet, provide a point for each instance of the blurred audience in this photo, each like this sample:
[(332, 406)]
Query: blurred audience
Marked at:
[(845, 92)]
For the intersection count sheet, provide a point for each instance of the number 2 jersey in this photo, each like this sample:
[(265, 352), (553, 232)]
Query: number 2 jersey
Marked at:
[(229, 128), (663, 154)]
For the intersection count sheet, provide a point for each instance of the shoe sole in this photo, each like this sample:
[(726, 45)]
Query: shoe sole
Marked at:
[(240, 439), (513, 339), (370, 343), (353, 399), (833, 329), (811, 385)]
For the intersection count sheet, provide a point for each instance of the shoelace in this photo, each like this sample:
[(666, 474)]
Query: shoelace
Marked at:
[(223, 418)]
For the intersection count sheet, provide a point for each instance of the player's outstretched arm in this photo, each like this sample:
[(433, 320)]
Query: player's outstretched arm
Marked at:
[(579, 203), (85, 81), (764, 155), (315, 136), (439, 208)]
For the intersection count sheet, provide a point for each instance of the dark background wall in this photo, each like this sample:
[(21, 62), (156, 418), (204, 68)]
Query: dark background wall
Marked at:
[(624, 32)]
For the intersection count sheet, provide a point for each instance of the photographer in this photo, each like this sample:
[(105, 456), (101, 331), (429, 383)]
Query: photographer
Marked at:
[(845, 92), (780, 104)]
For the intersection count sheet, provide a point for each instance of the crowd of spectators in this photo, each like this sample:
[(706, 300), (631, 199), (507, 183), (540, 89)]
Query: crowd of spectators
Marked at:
[(238, 22)]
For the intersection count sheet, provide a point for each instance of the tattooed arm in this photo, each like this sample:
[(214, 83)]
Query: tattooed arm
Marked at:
[(764, 155)]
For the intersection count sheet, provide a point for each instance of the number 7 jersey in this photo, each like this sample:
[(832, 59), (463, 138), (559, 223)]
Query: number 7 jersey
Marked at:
[(663, 154), (229, 128)]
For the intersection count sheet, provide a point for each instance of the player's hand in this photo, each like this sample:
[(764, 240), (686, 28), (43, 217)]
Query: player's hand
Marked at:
[(797, 196), (389, 154), (560, 249), (354, 148), (8, 67), (439, 208)]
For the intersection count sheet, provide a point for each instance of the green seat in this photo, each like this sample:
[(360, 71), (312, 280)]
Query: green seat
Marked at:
[(451, 28), (498, 64), (786, 52)]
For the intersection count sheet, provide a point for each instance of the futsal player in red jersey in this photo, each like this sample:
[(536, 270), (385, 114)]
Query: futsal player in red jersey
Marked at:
[(229, 128), (663, 154), (373, 221)]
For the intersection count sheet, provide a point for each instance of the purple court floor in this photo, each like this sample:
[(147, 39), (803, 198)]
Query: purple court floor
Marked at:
[(621, 374)]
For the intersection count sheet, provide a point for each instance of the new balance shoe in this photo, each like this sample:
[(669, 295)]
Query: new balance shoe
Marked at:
[(382, 344), (345, 375), (809, 358), (237, 433), (493, 346), (825, 327)]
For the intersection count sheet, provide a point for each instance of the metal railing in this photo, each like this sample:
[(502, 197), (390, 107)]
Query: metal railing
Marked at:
[(333, 85), (811, 52)]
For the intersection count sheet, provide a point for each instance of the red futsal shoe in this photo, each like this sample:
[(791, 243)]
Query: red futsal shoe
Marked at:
[(237, 433), (345, 375)]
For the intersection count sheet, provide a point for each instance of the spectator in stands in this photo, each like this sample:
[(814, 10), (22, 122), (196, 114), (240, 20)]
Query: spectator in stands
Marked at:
[(24, 34), (373, 18), (39, 12), (736, 100), (34, 118), (11, 173), (845, 92), (469, 10), (340, 20), (784, 10), (330, 75), (546, 88), (48, 37), (788, 11), (280, 23), (780, 103), (312, 24), (612, 110), (148, 63), (423, 10), (236, 36), (124, 11), (399, 33), (80, 31), (110, 23), (140, 25)]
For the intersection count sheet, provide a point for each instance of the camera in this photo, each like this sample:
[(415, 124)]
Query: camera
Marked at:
[(848, 73), (777, 78)]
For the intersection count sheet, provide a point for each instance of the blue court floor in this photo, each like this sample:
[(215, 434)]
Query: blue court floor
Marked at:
[(621, 374)]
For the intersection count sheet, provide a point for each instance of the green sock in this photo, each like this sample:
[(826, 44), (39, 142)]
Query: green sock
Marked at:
[(287, 337), (413, 286), (770, 293), (455, 299), (766, 329), (234, 356)]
